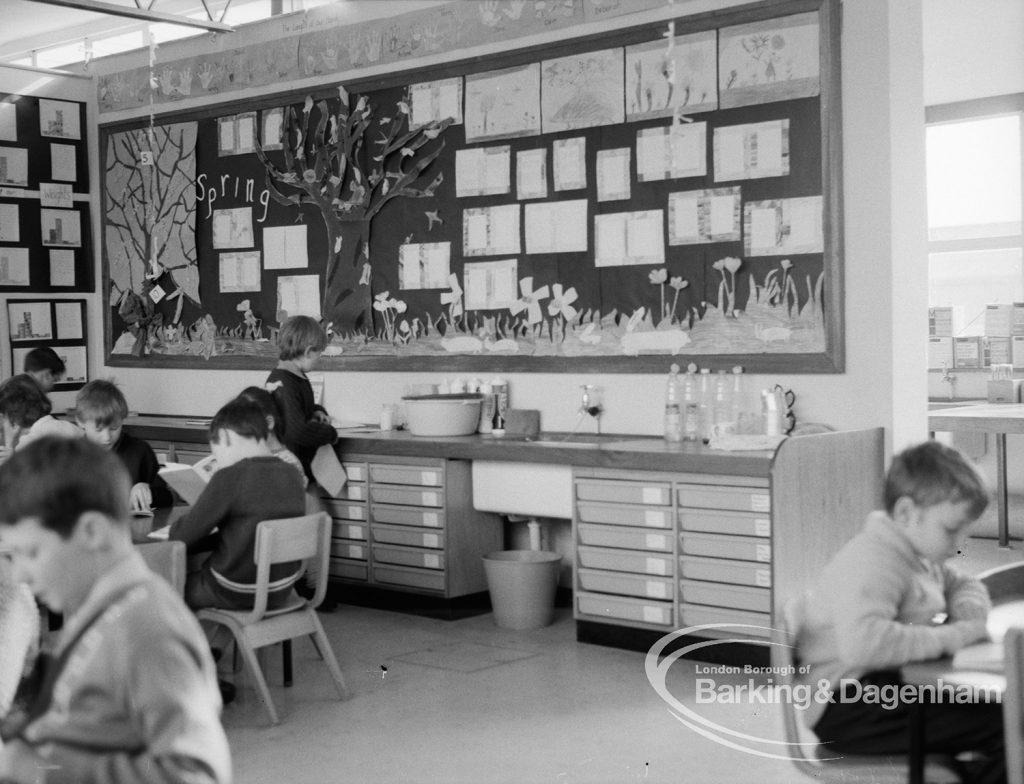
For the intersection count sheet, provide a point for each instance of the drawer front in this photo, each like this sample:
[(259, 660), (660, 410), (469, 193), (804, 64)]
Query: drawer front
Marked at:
[(347, 570), (407, 556), (626, 584), (737, 597), (608, 608), (697, 615), (411, 537), (740, 499), (356, 472), (726, 571), (413, 515), (345, 530), (343, 511), (422, 476), (407, 496), (725, 522), (659, 564), (350, 550), (616, 514), (635, 492), (352, 491), (413, 578), (626, 538), (741, 548)]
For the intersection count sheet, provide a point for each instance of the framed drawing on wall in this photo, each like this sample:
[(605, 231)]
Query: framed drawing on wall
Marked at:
[(502, 244), (59, 324)]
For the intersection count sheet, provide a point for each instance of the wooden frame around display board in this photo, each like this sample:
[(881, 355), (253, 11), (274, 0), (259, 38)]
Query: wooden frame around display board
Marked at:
[(59, 324), (762, 288)]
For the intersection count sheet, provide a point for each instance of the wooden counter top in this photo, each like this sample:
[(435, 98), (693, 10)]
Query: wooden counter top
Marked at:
[(626, 451), (985, 418)]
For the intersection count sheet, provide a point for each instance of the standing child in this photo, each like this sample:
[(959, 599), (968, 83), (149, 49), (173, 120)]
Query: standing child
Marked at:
[(101, 408), (889, 597), (250, 485), (307, 426), (259, 397), (130, 695)]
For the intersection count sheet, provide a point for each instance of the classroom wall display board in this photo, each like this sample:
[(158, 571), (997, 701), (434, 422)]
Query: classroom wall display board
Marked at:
[(44, 196), (57, 323), (665, 191)]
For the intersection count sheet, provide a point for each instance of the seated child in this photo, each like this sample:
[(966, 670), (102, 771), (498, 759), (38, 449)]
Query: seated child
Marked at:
[(250, 485), (25, 412), (306, 425), (132, 691), (888, 598), (275, 423), (100, 408), (45, 367)]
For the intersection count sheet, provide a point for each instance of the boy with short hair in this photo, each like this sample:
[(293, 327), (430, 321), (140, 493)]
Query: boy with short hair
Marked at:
[(889, 597), (131, 693), (101, 408), (45, 367), (249, 486), (25, 415)]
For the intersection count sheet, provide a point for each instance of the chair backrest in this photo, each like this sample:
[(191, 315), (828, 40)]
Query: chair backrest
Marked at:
[(289, 539), (167, 559), (1004, 583), (1013, 704), (784, 662)]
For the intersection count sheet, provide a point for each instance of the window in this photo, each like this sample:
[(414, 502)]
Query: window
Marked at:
[(975, 213)]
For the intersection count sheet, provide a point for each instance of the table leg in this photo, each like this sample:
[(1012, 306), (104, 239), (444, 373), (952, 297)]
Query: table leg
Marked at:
[(1001, 492), (915, 730)]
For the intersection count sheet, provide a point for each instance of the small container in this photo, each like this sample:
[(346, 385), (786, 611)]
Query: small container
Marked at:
[(486, 409), (500, 391), (387, 416)]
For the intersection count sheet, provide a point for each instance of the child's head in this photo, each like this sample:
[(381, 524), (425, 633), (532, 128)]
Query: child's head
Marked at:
[(934, 493), (239, 430), (100, 408), (22, 402), (64, 516), (265, 401), (45, 367), (301, 337)]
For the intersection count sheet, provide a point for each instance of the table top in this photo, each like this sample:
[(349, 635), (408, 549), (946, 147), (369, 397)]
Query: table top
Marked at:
[(141, 526), (984, 417), (944, 672)]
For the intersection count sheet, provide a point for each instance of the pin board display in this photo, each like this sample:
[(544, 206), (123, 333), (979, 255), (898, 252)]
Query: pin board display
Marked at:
[(59, 324), (44, 196), (665, 191)]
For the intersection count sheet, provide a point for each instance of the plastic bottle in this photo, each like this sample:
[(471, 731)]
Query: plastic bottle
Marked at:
[(499, 386), (705, 398), (486, 409), (691, 405), (738, 400), (722, 408), (673, 406)]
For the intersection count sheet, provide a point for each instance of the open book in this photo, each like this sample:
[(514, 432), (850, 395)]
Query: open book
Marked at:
[(189, 481)]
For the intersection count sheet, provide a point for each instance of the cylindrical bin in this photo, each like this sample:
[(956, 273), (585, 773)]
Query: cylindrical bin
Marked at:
[(522, 585)]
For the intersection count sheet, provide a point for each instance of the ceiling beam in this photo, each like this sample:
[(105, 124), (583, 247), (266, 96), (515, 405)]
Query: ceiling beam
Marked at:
[(139, 13)]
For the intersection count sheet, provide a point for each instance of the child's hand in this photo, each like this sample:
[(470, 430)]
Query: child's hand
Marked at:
[(141, 498), (322, 416)]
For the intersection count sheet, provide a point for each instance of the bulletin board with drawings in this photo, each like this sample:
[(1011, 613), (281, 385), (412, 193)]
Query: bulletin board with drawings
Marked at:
[(661, 193), (44, 196), (59, 324)]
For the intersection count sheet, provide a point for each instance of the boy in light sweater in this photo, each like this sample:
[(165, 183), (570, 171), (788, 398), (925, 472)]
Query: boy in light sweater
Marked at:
[(888, 598)]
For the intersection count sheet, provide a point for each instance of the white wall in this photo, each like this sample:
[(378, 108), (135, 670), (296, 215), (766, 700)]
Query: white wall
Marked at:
[(34, 82)]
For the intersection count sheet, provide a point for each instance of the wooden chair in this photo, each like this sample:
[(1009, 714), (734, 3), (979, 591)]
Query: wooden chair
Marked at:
[(280, 541), (1013, 704), (166, 559), (1005, 583), (815, 760)]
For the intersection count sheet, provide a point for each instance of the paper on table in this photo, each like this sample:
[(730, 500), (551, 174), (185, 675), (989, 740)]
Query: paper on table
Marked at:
[(160, 533), (328, 470), (987, 656)]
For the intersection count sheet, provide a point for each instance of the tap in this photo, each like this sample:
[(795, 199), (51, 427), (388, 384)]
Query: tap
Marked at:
[(948, 378)]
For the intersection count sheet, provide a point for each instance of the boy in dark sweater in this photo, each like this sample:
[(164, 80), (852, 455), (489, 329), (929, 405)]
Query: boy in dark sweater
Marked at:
[(307, 426), (100, 409), (249, 486)]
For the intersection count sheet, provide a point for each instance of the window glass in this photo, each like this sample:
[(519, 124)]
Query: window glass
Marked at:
[(973, 279)]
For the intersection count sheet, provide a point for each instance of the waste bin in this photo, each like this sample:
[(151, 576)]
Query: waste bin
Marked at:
[(522, 585)]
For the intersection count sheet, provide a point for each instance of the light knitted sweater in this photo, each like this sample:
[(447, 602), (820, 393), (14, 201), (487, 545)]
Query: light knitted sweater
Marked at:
[(19, 633), (874, 607)]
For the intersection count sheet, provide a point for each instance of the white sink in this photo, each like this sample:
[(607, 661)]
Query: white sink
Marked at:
[(529, 489)]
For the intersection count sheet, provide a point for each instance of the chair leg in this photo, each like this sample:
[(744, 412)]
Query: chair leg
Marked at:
[(286, 661), (249, 655), (328, 655)]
